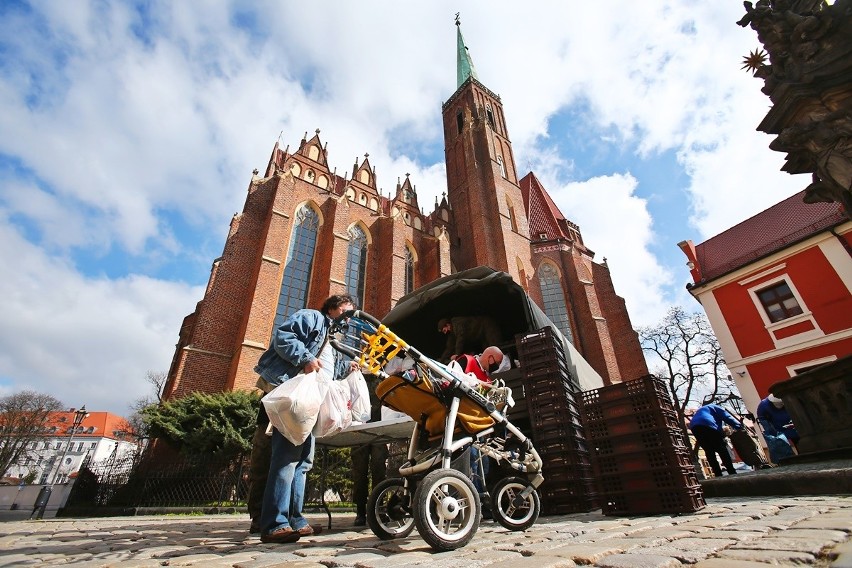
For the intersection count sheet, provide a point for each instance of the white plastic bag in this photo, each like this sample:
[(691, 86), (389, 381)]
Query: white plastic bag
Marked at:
[(293, 406), (467, 378), (334, 414), (359, 396)]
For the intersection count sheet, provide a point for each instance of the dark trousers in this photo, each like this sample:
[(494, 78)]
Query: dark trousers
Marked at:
[(368, 460), (713, 442), (261, 452)]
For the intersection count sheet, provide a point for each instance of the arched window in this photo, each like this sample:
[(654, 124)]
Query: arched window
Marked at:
[(409, 270), (512, 220), (297, 270), (356, 263), (501, 166), (554, 299)]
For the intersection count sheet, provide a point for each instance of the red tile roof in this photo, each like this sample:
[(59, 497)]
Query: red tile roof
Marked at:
[(542, 213), (778, 227)]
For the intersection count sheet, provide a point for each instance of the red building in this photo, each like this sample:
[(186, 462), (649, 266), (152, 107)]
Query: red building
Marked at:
[(777, 289), (307, 231)]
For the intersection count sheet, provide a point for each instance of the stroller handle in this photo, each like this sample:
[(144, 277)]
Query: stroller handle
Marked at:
[(376, 344)]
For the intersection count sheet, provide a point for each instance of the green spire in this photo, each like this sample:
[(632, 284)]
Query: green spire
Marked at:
[(464, 68)]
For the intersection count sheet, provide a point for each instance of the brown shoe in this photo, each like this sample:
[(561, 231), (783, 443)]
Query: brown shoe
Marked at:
[(310, 530), (281, 535)]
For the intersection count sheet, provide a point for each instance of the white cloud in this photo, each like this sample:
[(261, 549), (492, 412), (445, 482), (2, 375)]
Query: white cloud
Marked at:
[(616, 225), (84, 341)]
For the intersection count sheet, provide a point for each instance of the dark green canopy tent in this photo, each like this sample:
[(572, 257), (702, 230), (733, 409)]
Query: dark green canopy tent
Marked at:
[(477, 291)]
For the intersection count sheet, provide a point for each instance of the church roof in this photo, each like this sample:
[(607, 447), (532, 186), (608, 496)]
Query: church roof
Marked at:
[(464, 67), (778, 227), (542, 213)]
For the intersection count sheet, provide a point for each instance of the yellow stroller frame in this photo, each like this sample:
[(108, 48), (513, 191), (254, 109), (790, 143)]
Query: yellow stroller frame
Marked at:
[(451, 416)]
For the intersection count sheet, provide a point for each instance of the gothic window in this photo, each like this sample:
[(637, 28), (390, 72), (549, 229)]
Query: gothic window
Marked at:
[(554, 299), (322, 181), (313, 152), (297, 270), (490, 114), (409, 270), (460, 121), (501, 166), (364, 177), (356, 264), (512, 220), (310, 175), (779, 302), (350, 194)]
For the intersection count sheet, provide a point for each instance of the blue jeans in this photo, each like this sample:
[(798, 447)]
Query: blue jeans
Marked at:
[(285, 487)]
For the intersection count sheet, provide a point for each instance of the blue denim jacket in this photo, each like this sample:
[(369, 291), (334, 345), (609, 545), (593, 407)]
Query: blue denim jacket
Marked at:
[(295, 343)]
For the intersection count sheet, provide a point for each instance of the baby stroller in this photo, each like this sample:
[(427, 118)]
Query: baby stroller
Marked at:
[(451, 415)]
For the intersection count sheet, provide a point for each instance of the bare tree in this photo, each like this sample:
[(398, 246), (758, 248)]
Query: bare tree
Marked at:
[(690, 358), (135, 424), (23, 420)]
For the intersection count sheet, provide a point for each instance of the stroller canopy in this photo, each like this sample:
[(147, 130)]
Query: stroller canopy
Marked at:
[(477, 291)]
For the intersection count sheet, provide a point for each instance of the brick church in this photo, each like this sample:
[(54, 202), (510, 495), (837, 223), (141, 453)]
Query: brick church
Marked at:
[(307, 232)]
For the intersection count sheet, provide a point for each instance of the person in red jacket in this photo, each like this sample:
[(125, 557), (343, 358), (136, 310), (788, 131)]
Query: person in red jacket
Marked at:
[(489, 361)]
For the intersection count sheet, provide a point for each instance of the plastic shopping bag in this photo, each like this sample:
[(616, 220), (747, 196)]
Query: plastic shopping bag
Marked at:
[(359, 396), (293, 406), (468, 378), (334, 414)]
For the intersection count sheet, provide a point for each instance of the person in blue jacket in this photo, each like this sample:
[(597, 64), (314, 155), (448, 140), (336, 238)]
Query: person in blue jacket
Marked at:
[(775, 420), (706, 425), (299, 345)]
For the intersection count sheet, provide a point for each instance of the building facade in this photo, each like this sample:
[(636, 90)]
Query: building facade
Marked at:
[(777, 290), (307, 231), (57, 454)]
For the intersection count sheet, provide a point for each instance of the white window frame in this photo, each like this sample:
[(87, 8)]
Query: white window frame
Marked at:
[(772, 327)]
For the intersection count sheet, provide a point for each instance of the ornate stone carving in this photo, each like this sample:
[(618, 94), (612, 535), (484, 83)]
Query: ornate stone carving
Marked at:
[(809, 79)]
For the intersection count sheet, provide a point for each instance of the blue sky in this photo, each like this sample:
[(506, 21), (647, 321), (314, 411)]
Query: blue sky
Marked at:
[(129, 131)]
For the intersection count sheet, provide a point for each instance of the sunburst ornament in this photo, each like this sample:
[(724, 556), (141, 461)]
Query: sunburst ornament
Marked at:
[(754, 61)]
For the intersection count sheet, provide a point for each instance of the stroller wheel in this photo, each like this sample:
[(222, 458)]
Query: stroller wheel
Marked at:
[(446, 509), (389, 510), (514, 516)]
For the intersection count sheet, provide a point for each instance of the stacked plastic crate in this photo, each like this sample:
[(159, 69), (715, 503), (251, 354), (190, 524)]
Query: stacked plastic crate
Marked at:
[(639, 454), (554, 420)]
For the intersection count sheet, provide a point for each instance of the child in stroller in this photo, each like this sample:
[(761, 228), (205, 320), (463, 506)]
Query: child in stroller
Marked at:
[(451, 415)]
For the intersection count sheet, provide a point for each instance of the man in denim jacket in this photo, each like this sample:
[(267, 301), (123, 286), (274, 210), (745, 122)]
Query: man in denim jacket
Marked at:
[(299, 345)]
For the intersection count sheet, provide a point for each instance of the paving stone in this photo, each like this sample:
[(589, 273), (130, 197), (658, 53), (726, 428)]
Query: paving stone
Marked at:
[(780, 542), (193, 559), (727, 563), (269, 559), (638, 561), (537, 561), (585, 553), (769, 556), (842, 555), (350, 559)]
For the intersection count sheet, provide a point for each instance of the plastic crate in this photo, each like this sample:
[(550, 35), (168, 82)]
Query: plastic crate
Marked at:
[(630, 424), (584, 505), (644, 461), (654, 480), (648, 385), (612, 409), (642, 441), (643, 502)]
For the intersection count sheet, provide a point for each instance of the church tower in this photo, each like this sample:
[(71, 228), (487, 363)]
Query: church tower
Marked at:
[(490, 225)]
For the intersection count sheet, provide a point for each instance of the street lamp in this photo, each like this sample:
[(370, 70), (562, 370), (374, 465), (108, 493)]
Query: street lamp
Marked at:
[(79, 416), (44, 494)]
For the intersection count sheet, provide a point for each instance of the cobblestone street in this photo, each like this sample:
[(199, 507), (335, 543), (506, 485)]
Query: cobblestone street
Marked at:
[(730, 532)]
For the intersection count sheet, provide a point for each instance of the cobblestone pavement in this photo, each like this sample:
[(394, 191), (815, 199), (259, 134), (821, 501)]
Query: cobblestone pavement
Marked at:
[(731, 532)]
